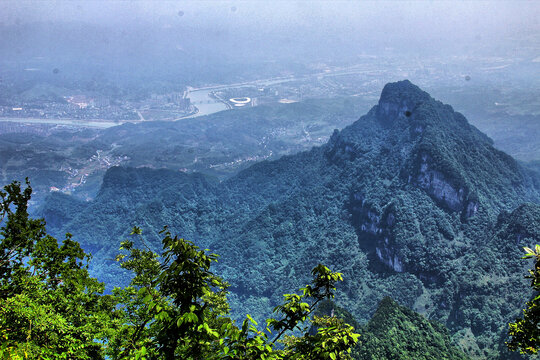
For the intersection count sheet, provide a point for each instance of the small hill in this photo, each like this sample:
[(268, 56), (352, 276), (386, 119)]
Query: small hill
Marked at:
[(45, 92), (398, 333)]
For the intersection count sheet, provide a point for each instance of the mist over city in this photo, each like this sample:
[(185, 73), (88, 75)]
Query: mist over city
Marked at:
[(393, 145)]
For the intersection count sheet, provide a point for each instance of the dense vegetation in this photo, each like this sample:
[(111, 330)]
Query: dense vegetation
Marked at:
[(395, 332), (174, 307), (410, 201), (50, 307), (525, 331)]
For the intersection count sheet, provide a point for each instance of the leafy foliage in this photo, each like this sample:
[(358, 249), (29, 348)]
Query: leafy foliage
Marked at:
[(174, 307), (50, 308), (525, 332)]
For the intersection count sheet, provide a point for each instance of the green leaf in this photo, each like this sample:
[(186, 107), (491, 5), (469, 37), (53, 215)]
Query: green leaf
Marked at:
[(251, 319), (136, 231)]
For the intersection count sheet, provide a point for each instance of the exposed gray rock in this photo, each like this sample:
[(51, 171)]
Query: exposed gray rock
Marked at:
[(472, 209), (387, 255), (437, 185)]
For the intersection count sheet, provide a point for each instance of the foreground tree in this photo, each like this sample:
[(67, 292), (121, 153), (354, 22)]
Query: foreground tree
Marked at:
[(50, 308), (525, 332), (174, 307)]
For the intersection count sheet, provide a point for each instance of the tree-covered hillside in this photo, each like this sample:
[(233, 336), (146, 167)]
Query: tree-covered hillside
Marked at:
[(410, 201), (396, 332), (175, 307)]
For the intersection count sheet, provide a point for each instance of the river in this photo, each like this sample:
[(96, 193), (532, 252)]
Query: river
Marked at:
[(204, 103), (208, 105)]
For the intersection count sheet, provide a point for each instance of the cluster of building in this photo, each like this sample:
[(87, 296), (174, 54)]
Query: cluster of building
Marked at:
[(83, 101), (170, 100), (73, 107), (88, 107)]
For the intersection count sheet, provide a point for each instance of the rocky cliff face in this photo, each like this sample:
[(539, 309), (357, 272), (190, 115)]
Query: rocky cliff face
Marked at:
[(439, 186), (375, 229)]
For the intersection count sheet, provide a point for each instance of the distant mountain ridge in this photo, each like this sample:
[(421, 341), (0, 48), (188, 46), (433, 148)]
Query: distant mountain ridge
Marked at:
[(409, 201)]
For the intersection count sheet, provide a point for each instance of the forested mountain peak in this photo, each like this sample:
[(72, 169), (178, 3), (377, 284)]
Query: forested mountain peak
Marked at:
[(418, 141), (415, 206), (399, 99), (404, 104)]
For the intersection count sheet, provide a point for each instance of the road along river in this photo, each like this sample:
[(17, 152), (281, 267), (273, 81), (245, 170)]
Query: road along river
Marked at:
[(69, 122)]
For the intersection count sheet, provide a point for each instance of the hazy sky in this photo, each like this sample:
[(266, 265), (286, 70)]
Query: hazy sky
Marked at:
[(441, 18), (202, 36)]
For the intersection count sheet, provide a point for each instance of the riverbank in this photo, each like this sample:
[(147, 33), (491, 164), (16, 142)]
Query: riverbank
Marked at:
[(97, 123)]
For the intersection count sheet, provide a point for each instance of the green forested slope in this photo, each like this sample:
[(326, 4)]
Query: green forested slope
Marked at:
[(395, 332), (409, 201)]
